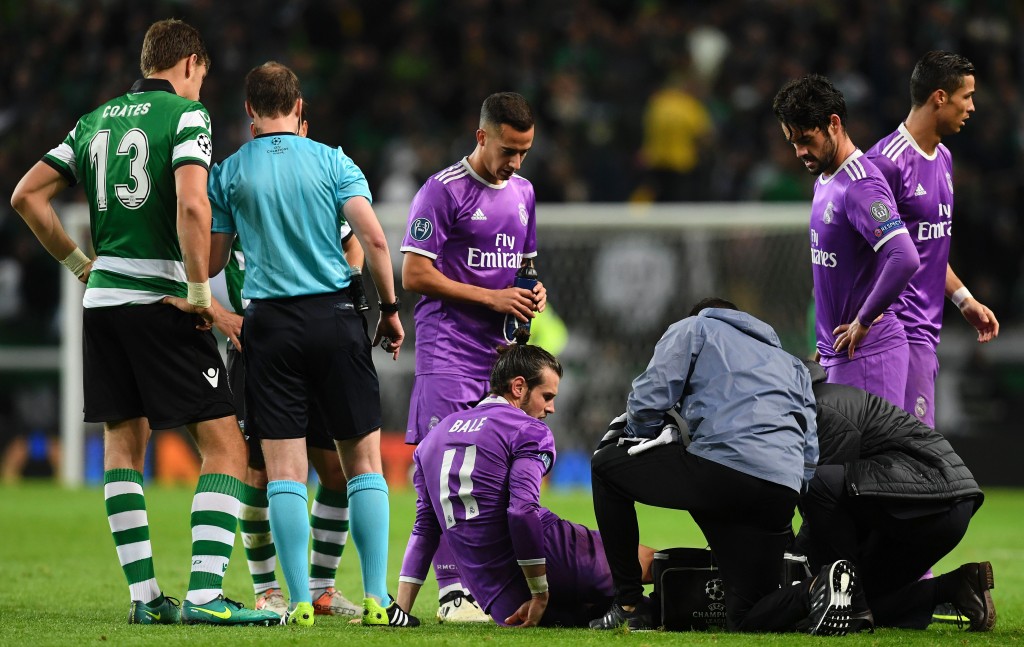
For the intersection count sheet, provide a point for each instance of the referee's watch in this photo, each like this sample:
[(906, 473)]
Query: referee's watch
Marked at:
[(390, 307)]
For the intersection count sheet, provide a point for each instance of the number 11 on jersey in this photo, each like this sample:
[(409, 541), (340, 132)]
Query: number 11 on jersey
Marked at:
[(465, 491)]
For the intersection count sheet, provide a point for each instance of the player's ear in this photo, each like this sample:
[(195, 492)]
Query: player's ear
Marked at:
[(940, 97), (481, 137), (517, 386), (190, 65), (834, 124)]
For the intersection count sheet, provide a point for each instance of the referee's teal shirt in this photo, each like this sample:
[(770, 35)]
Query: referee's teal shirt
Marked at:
[(283, 195)]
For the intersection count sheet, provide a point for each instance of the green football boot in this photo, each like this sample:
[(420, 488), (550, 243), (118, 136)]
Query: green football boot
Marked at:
[(301, 615), (165, 613), (223, 611)]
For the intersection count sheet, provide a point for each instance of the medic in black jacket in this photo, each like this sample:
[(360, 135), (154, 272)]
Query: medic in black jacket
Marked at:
[(891, 495)]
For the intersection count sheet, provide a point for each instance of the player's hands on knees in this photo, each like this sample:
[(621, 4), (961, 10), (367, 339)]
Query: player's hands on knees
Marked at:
[(530, 612), (389, 333), (514, 301), (205, 314)]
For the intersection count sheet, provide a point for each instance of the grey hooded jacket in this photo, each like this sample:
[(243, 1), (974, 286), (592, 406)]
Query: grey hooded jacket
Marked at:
[(747, 402)]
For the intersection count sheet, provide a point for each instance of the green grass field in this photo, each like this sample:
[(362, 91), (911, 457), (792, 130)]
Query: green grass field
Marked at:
[(60, 583)]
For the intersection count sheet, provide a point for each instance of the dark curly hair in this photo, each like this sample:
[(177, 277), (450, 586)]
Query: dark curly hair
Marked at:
[(808, 103)]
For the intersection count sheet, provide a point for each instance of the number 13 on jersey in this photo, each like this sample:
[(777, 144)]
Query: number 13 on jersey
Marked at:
[(135, 145)]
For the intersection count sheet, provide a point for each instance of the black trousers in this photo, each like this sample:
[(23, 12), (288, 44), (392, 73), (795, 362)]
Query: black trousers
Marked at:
[(747, 523), (891, 546)]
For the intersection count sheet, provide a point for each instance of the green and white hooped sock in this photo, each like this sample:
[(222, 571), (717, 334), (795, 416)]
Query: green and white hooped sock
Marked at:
[(328, 523), (254, 523), (214, 521), (129, 524)]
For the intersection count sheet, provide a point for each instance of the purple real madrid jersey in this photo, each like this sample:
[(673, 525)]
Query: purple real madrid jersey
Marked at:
[(853, 215), (475, 233), (463, 472), (923, 187)]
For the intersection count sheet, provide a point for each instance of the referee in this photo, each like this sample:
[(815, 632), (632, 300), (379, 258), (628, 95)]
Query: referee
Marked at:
[(306, 345)]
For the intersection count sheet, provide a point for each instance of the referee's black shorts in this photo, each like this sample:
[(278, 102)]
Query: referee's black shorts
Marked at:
[(316, 433), (149, 361), (307, 353)]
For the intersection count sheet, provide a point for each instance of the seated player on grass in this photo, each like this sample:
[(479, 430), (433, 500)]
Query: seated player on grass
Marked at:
[(478, 476)]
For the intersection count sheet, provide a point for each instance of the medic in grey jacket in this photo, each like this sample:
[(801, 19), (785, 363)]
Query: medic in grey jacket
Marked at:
[(747, 402)]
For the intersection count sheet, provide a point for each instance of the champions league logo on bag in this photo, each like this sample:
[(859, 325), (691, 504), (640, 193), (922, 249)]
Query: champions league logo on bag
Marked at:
[(688, 590), (715, 590)]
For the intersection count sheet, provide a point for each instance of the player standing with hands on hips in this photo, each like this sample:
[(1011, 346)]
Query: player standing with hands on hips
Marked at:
[(471, 227), (143, 160), (861, 255)]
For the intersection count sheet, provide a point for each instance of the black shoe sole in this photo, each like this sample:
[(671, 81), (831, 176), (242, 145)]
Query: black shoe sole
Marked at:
[(835, 619)]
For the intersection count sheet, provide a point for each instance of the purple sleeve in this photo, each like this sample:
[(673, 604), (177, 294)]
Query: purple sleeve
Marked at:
[(871, 210), (524, 511), (891, 173), (426, 534), (901, 261), (430, 218)]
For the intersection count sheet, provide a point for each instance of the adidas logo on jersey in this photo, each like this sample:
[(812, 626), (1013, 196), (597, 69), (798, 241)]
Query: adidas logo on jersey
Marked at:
[(920, 190), (478, 215)]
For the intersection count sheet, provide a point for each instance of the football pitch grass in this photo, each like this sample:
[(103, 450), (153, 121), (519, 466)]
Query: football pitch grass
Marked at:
[(60, 583)]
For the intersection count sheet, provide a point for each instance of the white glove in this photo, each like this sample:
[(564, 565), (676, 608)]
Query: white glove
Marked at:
[(670, 435)]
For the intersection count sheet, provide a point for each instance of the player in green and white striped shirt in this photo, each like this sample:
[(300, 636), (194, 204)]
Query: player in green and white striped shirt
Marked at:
[(150, 362)]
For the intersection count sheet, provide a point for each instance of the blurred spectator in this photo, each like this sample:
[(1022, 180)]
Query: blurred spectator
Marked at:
[(677, 130), (390, 77)]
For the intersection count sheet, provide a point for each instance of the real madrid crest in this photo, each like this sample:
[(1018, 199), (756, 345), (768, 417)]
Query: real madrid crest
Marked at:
[(829, 213)]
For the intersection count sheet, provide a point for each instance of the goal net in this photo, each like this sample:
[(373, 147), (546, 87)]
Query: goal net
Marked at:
[(617, 275)]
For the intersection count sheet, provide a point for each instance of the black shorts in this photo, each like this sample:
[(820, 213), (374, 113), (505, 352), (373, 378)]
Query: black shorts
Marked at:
[(149, 361), (316, 435), (303, 354)]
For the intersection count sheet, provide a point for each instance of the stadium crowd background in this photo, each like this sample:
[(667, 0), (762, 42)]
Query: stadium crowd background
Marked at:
[(398, 84)]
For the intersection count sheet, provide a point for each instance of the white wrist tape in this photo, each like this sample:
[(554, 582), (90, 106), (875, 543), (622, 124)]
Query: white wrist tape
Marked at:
[(960, 296), (537, 584), (76, 261), (199, 294)]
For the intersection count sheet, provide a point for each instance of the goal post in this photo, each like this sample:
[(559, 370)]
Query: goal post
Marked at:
[(616, 274)]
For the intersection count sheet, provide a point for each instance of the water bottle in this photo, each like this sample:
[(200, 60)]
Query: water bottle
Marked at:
[(526, 278)]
